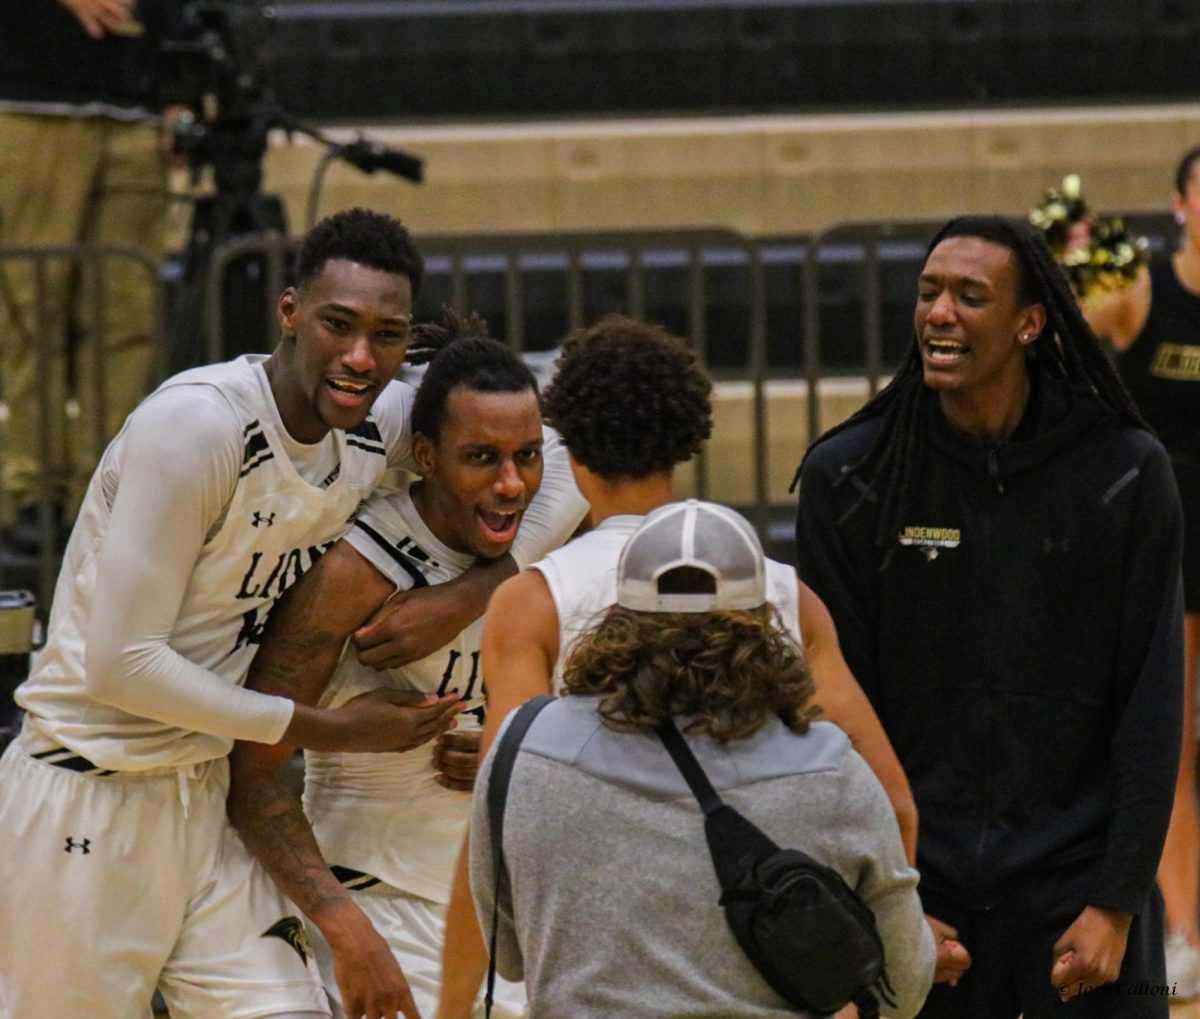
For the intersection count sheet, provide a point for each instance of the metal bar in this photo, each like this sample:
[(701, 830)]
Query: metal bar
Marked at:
[(158, 324), (574, 291), (458, 284), (265, 246), (99, 422), (698, 331), (514, 302), (872, 315), (49, 360), (46, 525), (811, 350), (637, 285), (357, 9), (275, 257), (214, 302), (758, 373)]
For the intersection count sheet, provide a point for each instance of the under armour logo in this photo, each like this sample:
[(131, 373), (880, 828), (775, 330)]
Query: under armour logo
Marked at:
[(291, 930), (84, 844), (263, 519), (1050, 546)]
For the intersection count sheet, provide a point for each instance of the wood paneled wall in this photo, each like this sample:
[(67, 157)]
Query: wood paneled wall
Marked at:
[(758, 175)]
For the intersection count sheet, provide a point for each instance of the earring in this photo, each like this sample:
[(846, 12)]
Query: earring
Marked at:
[(1180, 218)]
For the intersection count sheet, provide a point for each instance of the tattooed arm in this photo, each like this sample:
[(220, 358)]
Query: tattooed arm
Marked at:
[(301, 645)]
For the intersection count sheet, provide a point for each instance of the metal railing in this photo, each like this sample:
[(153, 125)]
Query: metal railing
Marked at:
[(47, 273), (459, 261), (790, 312)]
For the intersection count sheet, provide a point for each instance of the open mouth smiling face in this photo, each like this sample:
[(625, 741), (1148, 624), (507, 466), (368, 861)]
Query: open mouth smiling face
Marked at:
[(351, 393), (970, 325), (350, 326), (500, 527), (945, 351), (481, 471)]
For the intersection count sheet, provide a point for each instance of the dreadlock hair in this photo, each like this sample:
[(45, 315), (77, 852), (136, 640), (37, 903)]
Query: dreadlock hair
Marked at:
[(461, 356), (1183, 172), (428, 338), (1066, 347), (373, 239)]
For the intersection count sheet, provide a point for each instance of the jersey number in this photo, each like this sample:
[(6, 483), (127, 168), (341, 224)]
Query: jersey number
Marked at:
[(444, 686)]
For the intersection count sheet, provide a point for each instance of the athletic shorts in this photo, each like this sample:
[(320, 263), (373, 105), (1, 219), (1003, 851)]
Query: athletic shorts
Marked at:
[(114, 884), (416, 930)]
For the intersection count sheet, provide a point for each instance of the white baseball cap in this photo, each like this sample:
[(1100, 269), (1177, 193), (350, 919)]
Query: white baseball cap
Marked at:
[(702, 535)]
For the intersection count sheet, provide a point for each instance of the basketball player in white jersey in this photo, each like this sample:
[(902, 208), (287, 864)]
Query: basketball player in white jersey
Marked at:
[(222, 488), (375, 880), (630, 402)]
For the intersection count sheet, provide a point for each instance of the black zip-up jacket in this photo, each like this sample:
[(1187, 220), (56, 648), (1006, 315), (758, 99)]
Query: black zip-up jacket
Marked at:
[(1021, 638)]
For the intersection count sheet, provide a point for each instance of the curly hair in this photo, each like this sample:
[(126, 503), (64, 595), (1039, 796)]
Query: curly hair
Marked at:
[(373, 239), (732, 670), (629, 399), (461, 356)]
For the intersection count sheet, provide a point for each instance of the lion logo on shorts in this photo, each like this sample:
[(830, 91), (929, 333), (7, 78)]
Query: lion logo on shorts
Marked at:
[(291, 930)]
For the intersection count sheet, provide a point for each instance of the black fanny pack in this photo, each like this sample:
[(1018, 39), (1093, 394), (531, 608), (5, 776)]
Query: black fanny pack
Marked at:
[(807, 932)]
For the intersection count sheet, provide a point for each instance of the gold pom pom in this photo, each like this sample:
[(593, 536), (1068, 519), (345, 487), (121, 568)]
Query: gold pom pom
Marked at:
[(1097, 253)]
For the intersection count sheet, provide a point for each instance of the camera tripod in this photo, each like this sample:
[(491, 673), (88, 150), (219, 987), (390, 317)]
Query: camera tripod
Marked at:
[(216, 323), (203, 330)]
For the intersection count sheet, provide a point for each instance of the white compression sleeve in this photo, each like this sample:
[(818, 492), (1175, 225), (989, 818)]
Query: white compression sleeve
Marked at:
[(391, 413), (178, 463)]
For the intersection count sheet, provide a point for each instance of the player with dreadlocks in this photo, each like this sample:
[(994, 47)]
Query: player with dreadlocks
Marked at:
[(997, 535)]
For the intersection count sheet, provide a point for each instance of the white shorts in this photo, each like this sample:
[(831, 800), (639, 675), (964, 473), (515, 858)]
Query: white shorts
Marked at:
[(416, 930), (113, 885)]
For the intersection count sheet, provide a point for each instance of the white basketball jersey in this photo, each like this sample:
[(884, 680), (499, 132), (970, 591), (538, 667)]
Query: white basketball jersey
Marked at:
[(582, 577), (383, 815), (275, 526)]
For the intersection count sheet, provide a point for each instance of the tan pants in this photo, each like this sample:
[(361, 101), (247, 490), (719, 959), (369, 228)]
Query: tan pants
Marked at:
[(68, 180)]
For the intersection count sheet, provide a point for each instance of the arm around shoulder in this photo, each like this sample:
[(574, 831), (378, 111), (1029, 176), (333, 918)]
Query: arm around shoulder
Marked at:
[(302, 644)]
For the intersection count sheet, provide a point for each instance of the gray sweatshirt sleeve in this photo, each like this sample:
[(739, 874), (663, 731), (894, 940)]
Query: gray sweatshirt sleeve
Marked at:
[(888, 886), (509, 963)]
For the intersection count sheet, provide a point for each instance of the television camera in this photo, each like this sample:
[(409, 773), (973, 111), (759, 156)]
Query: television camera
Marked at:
[(215, 75)]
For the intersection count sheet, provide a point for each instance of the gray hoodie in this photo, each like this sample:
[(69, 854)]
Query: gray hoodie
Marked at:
[(616, 910)]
